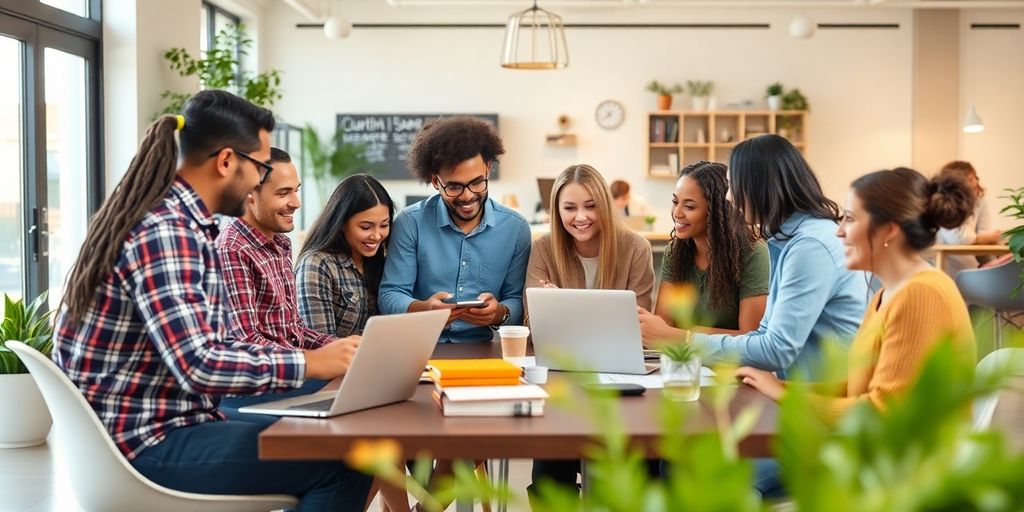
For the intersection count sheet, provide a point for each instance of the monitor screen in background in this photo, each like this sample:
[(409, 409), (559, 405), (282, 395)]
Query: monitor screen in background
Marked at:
[(544, 186)]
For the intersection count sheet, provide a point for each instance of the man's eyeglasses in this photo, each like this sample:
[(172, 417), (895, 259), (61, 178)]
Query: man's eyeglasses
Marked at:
[(264, 168), (456, 189)]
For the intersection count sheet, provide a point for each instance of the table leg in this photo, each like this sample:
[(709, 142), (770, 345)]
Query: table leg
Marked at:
[(940, 257)]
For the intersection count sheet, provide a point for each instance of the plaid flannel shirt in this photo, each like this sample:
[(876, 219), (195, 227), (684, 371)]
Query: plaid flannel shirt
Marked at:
[(332, 294), (261, 289), (151, 353)]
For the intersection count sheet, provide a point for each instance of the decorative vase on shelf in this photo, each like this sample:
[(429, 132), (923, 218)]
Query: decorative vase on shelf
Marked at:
[(712, 103), (700, 103), (774, 102), (664, 102)]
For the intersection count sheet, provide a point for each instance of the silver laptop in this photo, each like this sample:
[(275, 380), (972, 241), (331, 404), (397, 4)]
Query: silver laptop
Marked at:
[(586, 330), (386, 368)]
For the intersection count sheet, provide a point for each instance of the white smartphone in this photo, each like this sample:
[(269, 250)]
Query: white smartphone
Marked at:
[(470, 304)]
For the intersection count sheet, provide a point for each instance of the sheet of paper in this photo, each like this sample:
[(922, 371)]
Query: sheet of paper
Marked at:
[(652, 381), (523, 362)]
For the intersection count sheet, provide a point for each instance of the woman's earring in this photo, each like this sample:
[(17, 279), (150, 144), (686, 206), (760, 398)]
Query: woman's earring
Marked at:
[(886, 244)]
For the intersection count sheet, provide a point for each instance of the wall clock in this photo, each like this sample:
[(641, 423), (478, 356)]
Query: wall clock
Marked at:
[(609, 114)]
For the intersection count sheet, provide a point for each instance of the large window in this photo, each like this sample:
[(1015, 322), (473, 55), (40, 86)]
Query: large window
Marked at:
[(214, 19), (49, 140)]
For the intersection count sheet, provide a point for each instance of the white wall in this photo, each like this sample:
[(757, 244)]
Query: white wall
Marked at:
[(991, 78), (857, 81)]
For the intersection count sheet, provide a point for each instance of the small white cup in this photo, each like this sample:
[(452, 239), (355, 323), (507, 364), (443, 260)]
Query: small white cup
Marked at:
[(537, 374)]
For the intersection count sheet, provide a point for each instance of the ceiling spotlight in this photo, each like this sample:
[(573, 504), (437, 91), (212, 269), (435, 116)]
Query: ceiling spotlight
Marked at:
[(337, 27), (801, 27)]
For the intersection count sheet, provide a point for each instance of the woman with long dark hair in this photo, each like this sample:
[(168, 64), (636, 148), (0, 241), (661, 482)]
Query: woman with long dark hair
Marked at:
[(713, 250), (342, 261), (811, 294)]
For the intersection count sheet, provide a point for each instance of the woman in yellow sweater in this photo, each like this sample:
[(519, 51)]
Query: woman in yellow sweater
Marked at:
[(890, 218)]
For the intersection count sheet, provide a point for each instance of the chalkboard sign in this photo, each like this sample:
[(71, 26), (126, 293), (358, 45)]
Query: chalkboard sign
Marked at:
[(387, 138)]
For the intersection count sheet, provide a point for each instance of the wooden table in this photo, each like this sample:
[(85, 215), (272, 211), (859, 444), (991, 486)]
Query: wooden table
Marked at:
[(418, 426), (940, 251)]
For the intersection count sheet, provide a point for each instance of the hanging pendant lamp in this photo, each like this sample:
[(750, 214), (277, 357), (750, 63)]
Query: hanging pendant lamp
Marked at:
[(534, 39), (972, 123)]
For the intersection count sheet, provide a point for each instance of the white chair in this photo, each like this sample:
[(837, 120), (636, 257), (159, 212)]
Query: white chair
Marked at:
[(101, 478), (1009, 361)]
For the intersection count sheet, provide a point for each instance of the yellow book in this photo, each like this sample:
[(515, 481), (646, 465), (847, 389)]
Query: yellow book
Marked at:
[(443, 370), (504, 381)]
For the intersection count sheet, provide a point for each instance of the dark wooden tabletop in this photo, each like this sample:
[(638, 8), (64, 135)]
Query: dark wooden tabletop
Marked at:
[(418, 426)]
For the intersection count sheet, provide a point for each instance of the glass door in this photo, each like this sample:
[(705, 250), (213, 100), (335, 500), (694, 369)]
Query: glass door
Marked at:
[(12, 168), (49, 154)]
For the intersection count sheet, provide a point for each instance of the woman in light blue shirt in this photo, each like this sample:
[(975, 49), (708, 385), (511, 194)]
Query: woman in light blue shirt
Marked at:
[(811, 294)]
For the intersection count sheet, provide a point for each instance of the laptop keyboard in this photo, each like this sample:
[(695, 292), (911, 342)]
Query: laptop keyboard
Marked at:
[(322, 405)]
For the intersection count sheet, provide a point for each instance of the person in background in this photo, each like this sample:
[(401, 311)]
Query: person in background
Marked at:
[(142, 334), (976, 230), (890, 218), (713, 250), (459, 244), (811, 293), (342, 261), (626, 203)]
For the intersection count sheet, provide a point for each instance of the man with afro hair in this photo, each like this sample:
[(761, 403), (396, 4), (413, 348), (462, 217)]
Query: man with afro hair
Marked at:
[(459, 244)]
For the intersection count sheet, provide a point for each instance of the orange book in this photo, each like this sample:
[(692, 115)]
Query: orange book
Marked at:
[(504, 381), (443, 370)]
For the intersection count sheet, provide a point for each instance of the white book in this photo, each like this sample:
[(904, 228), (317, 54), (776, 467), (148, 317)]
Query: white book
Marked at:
[(478, 401)]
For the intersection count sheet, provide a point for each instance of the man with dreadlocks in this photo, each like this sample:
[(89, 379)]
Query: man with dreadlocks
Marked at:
[(141, 331)]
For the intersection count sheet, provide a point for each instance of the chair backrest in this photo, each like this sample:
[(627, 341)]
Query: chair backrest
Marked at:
[(992, 287), (101, 477), (1008, 361)]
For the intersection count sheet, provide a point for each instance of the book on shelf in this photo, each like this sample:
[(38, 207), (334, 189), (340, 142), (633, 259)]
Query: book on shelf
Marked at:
[(521, 400), (657, 130), (673, 131)]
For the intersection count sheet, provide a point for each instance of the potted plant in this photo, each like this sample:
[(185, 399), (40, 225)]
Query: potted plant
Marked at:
[(649, 220), (680, 371), (795, 100), (331, 160), (1015, 236), (699, 90), (219, 69), (774, 96), (25, 420), (664, 93)]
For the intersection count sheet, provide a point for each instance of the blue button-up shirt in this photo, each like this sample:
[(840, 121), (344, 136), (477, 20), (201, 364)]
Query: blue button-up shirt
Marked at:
[(811, 296), (428, 253)]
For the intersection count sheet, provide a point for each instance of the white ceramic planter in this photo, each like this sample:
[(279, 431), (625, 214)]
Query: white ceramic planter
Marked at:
[(700, 103), (25, 420), (774, 102)]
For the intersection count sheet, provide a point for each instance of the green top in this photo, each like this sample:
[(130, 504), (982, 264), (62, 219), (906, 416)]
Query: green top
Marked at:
[(753, 282)]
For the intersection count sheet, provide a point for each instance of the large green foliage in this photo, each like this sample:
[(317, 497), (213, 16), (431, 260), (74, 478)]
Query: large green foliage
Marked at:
[(29, 324), (219, 68), (333, 159), (1015, 236)]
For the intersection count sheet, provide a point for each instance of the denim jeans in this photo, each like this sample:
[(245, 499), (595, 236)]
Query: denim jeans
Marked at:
[(221, 457), (768, 479)]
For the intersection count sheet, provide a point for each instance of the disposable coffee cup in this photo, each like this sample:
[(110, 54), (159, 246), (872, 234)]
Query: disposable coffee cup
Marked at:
[(537, 374), (513, 340)]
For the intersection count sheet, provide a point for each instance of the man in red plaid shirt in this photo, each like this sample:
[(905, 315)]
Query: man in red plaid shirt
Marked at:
[(141, 331), (256, 264)]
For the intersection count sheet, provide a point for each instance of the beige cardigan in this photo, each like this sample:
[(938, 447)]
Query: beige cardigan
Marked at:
[(634, 272)]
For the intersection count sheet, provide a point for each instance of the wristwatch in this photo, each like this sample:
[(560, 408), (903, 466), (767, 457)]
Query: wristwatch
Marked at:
[(504, 317)]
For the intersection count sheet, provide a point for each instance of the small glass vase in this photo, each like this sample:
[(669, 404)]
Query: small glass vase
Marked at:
[(681, 379)]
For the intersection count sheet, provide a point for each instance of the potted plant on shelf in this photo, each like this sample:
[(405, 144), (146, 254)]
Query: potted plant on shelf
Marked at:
[(649, 220), (664, 93), (774, 96), (699, 91), (25, 420)]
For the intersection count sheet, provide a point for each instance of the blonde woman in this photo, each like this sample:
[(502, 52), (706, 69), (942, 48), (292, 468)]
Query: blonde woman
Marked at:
[(587, 248)]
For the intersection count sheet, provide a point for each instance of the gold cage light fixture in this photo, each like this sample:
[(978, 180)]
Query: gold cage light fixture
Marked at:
[(534, 39)]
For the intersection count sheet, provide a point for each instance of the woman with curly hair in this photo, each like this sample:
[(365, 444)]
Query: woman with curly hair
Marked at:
[(714, 251)]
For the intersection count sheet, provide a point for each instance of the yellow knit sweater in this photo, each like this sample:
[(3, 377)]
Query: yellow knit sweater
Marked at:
[(894, 340)]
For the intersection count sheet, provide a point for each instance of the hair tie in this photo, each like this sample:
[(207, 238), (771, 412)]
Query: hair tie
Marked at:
[(181, 122)]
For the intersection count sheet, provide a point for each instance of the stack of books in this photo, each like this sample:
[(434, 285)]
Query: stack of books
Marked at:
[(484, 387)]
